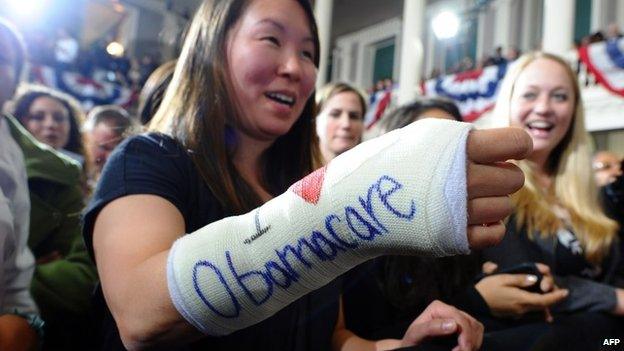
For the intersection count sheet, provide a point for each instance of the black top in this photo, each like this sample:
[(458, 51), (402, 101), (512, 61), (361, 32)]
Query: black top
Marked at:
[(370, 311), (156, 164), (589, 285)]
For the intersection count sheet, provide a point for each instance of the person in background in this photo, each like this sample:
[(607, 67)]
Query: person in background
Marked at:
[(498, 58), (557, 218), (64, 276), (609, 177), (436, 107), (18, 312), (66, 49), (53, 117), (607, 167), (106, 127), (153, 91), (613, 32), (340, 122)]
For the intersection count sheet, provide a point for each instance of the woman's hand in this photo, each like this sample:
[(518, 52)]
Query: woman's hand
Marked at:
[(440, 319), (490, 180), (506, 297)]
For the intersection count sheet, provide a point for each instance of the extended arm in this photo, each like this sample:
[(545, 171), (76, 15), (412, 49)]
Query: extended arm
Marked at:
[(220, 285)]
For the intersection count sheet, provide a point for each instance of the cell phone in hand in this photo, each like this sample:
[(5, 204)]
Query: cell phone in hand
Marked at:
[(524, 268)]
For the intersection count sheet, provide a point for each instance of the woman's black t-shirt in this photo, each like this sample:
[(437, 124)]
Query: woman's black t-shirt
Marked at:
[(156, 164)]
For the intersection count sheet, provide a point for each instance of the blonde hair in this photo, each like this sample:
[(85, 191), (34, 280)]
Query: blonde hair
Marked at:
[(569, 165), (332, 89)]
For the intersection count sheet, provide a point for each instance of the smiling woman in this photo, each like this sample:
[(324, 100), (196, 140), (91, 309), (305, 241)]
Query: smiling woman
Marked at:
[(53, 118), (340, 122), (557, 219), (234, 132)]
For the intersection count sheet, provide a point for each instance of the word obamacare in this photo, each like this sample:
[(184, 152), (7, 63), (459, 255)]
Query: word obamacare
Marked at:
[(364, 223)]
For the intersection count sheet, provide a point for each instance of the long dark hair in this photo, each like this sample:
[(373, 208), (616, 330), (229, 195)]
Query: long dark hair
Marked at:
[(198, 112), (413, 111), (27, 94), (153, 91)]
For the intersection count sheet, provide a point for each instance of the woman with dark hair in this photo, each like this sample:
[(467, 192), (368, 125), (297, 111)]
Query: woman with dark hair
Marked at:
[(234, 131), (436, 107), (153, 91), (53, 118)]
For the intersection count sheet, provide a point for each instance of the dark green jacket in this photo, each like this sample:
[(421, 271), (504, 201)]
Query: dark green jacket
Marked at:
[(62, 288)]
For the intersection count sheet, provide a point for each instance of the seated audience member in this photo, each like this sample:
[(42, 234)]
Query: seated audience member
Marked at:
[(607, 167), (64, 276), (153, 91), (52, 117), (340, 122), (106, 127), (557, 219), (18, 313), (610, 178), (403, 287), (436, 107), (234, 131)]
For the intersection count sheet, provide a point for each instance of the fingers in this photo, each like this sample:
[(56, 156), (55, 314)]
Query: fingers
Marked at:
[(544, 269), (500, 144), (488, 209), (470, 334), (417, 333), (540, 301), (516, 280), (547, 284), (489, 267), (469, 329), (548, 316), (480, 236), (493, 180)]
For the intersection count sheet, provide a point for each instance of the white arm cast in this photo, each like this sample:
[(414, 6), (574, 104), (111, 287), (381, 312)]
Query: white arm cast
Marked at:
[(402, 193)]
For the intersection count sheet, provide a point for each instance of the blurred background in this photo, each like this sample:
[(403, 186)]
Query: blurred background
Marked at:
[(102, 51)]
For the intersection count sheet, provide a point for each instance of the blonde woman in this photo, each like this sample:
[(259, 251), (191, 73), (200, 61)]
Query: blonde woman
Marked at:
[(557, 218), (340, 122)]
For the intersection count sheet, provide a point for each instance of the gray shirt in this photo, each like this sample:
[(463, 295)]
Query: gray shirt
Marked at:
[(16, 261)]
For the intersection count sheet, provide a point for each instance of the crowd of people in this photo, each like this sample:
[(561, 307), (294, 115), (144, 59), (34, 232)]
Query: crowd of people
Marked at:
[(239, 210), (63, 52)]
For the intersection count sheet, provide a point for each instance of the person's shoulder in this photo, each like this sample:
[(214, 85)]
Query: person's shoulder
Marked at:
[(159, 143), (149, 153)]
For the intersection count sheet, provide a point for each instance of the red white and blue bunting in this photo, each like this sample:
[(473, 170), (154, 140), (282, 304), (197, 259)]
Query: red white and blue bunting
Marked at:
[(377, 105), (474, 92), (605, 60), (90, 91)]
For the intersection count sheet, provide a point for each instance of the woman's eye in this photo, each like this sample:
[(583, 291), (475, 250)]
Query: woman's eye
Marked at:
[(334, 113), (355, 116), (59, 118), (308, 54), (529, 95), (561, 97), (273, 40), (37, 117)]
